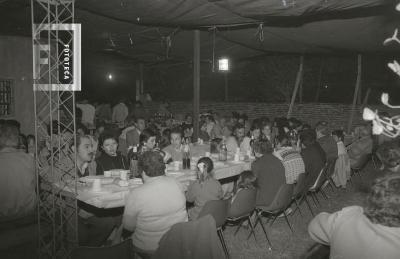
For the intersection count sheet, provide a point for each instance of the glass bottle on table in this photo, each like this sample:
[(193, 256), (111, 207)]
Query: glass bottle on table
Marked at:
[(186, 155), (223, 152), (133, 159)]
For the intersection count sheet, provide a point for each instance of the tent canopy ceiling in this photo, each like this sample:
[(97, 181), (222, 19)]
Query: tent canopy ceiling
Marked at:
[(159, 32)]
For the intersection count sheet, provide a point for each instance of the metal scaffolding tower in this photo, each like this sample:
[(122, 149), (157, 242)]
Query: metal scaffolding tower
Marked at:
[(54, 129)]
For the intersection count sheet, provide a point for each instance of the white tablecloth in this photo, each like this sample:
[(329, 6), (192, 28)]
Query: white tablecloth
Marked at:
[(113, 195)]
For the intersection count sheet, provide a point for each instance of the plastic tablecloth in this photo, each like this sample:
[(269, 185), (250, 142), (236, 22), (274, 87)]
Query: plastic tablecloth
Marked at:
[(113, 195)]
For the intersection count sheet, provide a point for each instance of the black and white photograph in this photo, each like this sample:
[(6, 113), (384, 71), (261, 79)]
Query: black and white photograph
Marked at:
[(199, 129)]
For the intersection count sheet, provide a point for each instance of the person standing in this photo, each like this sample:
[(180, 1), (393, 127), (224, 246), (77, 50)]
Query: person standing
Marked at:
[(119, 115)]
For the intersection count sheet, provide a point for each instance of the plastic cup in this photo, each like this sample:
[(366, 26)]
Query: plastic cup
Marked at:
[(96, 185), (124, 175), (176, 165)]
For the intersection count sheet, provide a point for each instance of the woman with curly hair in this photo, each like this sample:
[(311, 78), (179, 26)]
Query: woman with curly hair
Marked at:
[(368, 232)]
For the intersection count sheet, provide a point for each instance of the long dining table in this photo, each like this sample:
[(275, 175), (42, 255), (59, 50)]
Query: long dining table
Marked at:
[(112, 194)]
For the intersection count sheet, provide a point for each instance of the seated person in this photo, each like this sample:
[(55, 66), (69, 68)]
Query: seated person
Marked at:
[(122, 142), (85, 163), (253, 135), (165, 138), (237, 141), (147, 140), (389, 155), (360, 147), (132, 136), (342, 165), (313, 156), (269, 171), (326, 141), (369, 232), (247, 180), (175, 148), (154, 207), (93, 227), (204, 189), (110, 158), (266, 131), (17, 178), (290, 157)]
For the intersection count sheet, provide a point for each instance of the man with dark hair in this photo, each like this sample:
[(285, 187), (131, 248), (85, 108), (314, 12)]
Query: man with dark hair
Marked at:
[(175, 148), (313, 155), (153, 208), (93, 228), (132, 136), (269, 171), (326, 141), (17, 177)]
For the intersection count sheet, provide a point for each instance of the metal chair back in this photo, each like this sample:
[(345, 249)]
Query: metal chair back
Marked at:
[(243, 204), (218, 209)]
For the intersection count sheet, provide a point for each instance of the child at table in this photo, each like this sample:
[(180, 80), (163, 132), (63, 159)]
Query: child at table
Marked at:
[(247, 180), (342, 166), (204, 189)]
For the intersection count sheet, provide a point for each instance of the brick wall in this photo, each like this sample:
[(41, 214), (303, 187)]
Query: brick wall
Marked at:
[(336, 114)]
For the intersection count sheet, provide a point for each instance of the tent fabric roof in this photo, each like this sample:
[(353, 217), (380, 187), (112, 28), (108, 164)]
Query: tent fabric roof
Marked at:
[(202, 13), (159, 31)]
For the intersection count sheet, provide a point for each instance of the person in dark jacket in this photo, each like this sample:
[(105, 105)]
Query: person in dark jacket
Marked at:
[(110, 158), (326, 141), (313, 156), (269, 171)]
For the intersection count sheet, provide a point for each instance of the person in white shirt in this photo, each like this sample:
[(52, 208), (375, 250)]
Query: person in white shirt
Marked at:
[(368, 232), (153, 208)]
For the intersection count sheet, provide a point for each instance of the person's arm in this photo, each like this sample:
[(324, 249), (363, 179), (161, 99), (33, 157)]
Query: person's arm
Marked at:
[(321, 227), (191, 193), (131, 212)]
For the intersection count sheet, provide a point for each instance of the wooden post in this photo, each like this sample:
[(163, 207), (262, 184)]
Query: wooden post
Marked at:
[(296, 86), (226, 87), (196, 83), (356, 91), (301, 91), (366, 97), (321, 68), (141, 79), (137, 89)]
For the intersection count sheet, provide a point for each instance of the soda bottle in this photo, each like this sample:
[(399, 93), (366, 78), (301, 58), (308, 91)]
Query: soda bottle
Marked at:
[(186, 156), (223, 152), (133, 158)]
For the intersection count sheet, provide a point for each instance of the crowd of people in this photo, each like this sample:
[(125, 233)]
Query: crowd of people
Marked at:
[(283, 149)]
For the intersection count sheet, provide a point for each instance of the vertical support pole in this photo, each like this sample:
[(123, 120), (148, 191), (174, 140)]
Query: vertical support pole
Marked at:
[(356, 91), (316, 99), (226, 87), (296, 86), (141, 79), (366, 97), (196, 83), (301, 91), (138, 87)]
